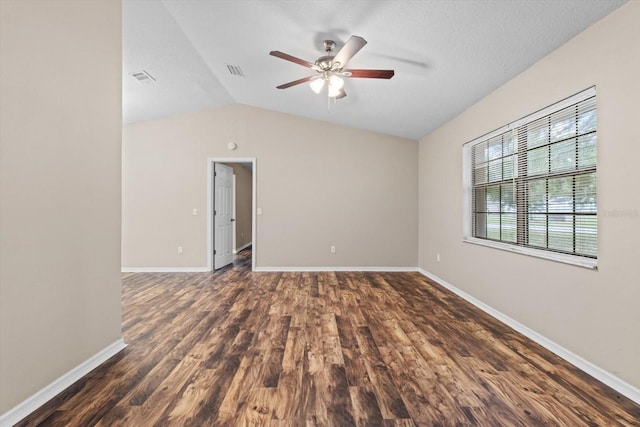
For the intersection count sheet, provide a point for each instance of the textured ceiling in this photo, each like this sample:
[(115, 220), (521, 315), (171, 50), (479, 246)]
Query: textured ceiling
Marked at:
[(446, 54)]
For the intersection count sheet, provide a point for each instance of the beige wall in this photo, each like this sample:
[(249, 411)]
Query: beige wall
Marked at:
[(243, 200), (595, 314), (317, 184), (60, 139)]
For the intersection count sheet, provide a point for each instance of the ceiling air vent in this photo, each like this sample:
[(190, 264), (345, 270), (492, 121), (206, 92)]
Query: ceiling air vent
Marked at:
[(235, 70), (143, 77)]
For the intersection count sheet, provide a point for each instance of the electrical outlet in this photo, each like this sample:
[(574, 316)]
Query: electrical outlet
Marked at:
[(438, 257), (179, 249), (194, 212), (333, 249)]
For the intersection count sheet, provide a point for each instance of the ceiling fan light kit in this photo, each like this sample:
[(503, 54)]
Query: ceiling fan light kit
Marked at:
[(331, 69), (316, 84)]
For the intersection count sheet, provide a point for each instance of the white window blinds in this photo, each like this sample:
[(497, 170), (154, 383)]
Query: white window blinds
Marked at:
[(531, 185)]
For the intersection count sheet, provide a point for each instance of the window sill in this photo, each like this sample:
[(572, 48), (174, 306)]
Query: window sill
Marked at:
[(553, 256)]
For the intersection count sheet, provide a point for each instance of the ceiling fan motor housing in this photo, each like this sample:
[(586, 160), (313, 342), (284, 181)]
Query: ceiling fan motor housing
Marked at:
[(325, 62)]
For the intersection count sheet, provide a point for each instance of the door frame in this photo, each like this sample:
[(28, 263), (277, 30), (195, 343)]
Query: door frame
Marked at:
[(210, 200)]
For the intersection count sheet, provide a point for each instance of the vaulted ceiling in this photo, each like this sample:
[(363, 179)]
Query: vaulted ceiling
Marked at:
[(447, 55)]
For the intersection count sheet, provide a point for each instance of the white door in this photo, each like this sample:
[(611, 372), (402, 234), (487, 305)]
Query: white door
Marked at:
[(222, 215)]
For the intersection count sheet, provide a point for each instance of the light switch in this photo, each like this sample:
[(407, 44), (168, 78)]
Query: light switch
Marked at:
[(259, 211), (195, 212)]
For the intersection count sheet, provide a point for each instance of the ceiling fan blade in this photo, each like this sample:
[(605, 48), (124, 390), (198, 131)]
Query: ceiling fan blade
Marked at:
[(342, 94), (295, 82), (350, 48), (369, 74), (290, 58)]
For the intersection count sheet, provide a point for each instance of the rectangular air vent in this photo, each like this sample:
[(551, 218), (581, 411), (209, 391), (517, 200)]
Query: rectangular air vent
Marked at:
[(143, 77), (235, 70)]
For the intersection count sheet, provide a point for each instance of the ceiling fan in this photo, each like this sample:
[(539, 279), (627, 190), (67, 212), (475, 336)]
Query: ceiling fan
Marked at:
[(331, 68)]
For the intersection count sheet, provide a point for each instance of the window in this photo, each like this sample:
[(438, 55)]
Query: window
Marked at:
[(531, 185)]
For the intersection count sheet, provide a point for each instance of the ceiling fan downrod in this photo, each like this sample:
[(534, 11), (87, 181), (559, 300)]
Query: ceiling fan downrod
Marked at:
[(325, 63)]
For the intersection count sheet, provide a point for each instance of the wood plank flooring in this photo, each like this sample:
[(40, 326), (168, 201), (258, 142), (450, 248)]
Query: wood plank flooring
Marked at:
[(239, 348)]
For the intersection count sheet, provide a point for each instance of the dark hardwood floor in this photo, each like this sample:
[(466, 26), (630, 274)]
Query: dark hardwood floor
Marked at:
[(239, 348)]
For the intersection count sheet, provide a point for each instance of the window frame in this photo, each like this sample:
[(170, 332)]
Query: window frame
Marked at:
[(522, 211)]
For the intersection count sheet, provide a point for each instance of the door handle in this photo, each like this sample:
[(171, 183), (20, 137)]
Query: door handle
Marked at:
[(232, 219)]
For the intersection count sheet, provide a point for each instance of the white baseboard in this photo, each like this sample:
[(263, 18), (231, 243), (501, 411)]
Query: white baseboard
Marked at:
[(319, 269), (595, 371), (164, 269), (50, 391), (242, 248)]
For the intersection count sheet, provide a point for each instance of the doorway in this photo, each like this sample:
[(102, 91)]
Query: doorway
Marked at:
[(231, 210)]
